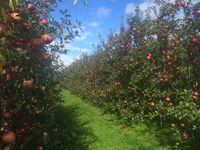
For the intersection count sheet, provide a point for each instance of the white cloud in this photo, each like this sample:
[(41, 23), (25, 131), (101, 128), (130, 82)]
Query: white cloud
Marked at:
[(83, 37), (130, 8), (102, 11), (94, 24)]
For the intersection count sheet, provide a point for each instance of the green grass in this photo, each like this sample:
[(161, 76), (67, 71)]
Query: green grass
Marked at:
[(97, 131)]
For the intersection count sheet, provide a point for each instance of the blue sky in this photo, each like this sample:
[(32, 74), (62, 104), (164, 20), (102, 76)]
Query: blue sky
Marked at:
[(98, 17)]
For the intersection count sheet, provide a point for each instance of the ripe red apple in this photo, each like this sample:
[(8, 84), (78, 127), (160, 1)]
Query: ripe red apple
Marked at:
[(16, 18), (8, 137), (6, 65), (194, 12), (44, 55), (35, 101), (39, 112), (47, 39), (173, 15), (173, 125), (168, 99), (185, 136), (40, 148), (21, 131), (2, 29), (26, 141), (36, 42), (46, 4), (195, 40), (37, 15), (178, 3), (44, 21), (196, 93), (188, 3), (8, 115), (194, 97), (152, 104), (16, 10), (29, 83), (182, 125), (31, 7), (26, 27)]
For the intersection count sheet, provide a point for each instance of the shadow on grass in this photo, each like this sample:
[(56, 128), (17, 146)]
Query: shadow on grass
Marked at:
[(165, 135), (67, 118)]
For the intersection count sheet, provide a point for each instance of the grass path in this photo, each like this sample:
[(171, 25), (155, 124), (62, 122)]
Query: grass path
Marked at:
[(95, 131)]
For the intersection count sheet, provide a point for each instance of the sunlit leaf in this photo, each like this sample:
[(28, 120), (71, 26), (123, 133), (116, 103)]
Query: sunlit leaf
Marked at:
[(4, 14), (61, 12), (75, 1)]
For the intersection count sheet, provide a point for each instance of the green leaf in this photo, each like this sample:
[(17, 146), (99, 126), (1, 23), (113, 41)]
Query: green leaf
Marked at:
[(66, 34), (66, 11), (67, 15), (61, 12), (85, 2), (18, 107), (34, 21), (80, 29), (175, 115), (79, 23), (21, 52), (75, 1)]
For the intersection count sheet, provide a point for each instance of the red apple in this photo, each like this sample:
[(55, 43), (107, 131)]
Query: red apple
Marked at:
[(6, 65), (8, 137), (178, 3), (26, 141), (31, 7), (47, 38), (2, 29), (37, 15), (182, 125), (44, 55), (8, 115), (185, 136), (16, 18), (21, 131), (28, 83), (44, 21), (40, 148)]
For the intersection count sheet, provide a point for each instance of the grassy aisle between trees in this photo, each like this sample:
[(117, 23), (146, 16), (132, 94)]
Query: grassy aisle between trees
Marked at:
[(101, 132)]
